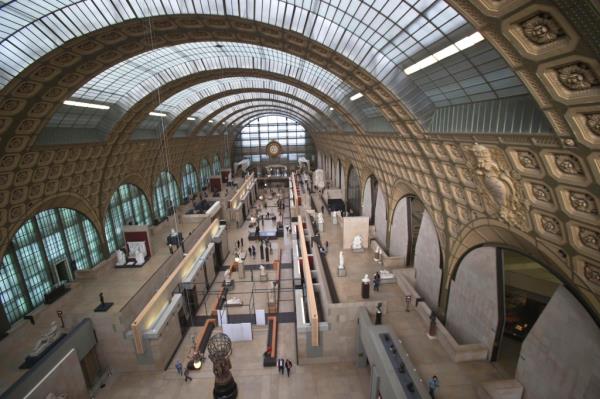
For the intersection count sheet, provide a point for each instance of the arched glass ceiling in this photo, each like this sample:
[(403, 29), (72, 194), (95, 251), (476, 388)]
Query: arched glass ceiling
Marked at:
[(129, 81), (153, 122), (381, 36), (186, 98)]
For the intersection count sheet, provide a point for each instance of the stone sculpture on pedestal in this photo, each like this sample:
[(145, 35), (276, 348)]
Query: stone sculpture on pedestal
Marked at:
[(121, 258), (357, 244), (219, 350)]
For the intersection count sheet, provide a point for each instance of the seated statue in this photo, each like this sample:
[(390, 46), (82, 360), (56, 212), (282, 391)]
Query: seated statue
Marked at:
[(357, 244), (46, 340), (139, 258), (121, 258)]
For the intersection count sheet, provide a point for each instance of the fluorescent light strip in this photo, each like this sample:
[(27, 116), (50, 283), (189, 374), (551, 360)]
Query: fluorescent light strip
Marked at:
[(191, 118), (356, 96), (446, 52), (157, 114), (85, 105)]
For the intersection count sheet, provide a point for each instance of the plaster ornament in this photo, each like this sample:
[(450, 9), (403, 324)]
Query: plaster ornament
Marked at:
[(551, 225), (568, 164), (592, 273), (541, 193), (527, 160), (542, 29), (593, 123), (583, 202), (502, 186), (590, 238), (577, 77)]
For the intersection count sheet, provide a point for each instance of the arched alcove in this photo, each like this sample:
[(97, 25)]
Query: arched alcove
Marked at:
[(205, 173), (380, 218), (166, 195), (190, 181), (353, 192), (128, 205), (369, 203), (45, 251), (216, 165), (404, 229), (428, 262)]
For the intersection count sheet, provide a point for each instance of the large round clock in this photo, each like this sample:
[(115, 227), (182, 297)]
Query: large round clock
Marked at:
[(273, 149)]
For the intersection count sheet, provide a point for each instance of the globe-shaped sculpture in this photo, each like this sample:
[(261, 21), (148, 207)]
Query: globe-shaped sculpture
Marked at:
[(219, 346)]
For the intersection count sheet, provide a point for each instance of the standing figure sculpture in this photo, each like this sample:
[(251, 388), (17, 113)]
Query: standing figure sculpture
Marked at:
[(219, 350)]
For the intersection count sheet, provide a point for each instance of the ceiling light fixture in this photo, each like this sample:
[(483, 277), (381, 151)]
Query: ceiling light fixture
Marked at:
[(446, 52), (191, 118), (85, 105), (331, 108), (356, 96), (157, 114), (210, 121)]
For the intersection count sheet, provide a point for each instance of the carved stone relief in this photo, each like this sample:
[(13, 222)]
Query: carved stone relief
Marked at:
[(527, 160), (592, 121), (541, 193), (578, 76), (542, 29), (502, 185), (590, 238)]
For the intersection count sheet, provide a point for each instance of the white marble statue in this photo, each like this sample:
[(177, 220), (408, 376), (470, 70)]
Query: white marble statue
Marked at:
[(263, 272), (139, 258), (319, 179), (357, 242), (121, 258), (227, 277), (366, 279), (46, 340), (341, 265)]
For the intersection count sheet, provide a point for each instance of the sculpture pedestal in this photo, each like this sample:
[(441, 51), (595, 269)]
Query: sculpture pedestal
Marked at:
[(225, 391), (341, 272), (103, 307), (357, 249), (364, 291)]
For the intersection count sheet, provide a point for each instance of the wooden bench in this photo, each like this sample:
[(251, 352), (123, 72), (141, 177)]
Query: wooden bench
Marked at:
[(270, 360)]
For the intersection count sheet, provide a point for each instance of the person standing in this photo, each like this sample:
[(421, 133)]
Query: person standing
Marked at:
[(179, 367), (433, 385), (280, 365), (288, 366), (376, 281), (186, 374)]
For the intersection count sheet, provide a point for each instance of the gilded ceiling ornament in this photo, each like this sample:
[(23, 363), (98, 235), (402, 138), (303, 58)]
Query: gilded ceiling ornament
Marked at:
[(592, 273), (568, 164), (593, 123), (577, 76), (527, 160), (590, 238), (541, 193), (542, 29), (583, 202), (550, 225), (502, 185)]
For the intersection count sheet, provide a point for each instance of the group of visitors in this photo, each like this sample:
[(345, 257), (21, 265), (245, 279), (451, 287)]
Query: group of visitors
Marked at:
[(287, 363)]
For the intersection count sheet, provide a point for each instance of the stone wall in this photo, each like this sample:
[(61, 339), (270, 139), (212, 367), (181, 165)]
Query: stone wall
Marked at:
[(472, 315), (428, 272), (561, 354), (366, 202)]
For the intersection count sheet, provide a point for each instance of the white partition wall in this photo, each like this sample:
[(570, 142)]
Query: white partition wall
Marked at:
[(428, 272), (367, 201), (560, 357), (399, 233), (381, 219), (472, 315)]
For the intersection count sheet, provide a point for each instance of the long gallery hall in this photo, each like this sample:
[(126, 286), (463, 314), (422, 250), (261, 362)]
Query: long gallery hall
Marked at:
[(264, 199)]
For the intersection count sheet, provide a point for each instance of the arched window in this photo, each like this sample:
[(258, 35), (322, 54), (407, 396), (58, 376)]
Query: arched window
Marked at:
[(127, 205), (190, 181), (354, 192), (166, 195), (29, 270), (205, 173), (216, 165), (226, 161)]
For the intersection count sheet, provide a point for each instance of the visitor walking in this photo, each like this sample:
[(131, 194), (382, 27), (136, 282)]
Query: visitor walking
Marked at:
[(376, 281), (186, 374), (288, 366), (433, 385), (179, 367), (280, 365)]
